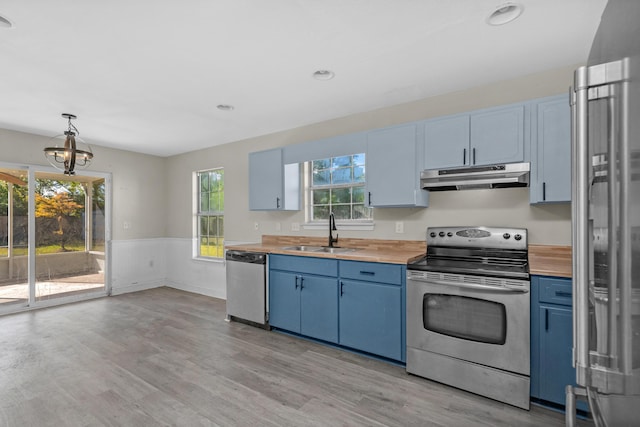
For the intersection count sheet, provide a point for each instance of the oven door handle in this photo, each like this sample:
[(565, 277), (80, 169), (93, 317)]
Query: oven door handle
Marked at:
[(478, 287)]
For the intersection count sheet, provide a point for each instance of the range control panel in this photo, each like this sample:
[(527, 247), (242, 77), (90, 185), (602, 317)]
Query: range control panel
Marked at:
[(478, 237)]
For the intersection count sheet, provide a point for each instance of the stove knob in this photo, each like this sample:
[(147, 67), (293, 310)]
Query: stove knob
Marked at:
[(432, 234), (441, 234), (506, 235), (517, 237), (449, 234)]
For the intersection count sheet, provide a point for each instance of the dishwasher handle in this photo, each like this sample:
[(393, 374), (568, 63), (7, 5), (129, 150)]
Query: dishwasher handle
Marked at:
[(246, 257)]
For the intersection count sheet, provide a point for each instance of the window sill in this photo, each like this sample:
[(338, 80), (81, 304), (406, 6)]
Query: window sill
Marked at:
[(205, 259), (364, 226)]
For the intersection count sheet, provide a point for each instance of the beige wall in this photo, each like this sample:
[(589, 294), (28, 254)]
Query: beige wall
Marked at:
[(139, 182), (154, 195), (549, 224)]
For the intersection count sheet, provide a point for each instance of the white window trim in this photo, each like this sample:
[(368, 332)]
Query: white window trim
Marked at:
[(195, 206), (354, 224)]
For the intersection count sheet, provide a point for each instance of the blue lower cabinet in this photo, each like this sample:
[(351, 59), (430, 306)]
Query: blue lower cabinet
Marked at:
[(319, 307), (552, 339), (556, 330), (371, 318), (284, 301), (302, 301), (356, 304)]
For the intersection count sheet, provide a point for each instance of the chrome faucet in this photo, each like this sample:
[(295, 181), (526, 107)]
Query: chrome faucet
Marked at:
[(332, 227)]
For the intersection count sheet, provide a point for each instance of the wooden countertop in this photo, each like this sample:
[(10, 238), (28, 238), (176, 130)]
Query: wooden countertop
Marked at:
[(544, 260), (372, 250), (547, 260)]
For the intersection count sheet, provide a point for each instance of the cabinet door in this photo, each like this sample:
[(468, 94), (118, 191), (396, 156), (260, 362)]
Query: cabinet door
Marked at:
[(371, 317), (266, 180), (553, 154), (319, 307), (392, 175), (284, 301), (555, 367), (497, 136), (446, 142)]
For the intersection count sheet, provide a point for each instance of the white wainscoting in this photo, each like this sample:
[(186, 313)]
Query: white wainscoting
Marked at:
[(193, 275), (138, 264), (151, 263)]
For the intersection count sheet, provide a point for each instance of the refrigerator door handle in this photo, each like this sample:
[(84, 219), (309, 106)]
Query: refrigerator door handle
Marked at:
[(580, 213)]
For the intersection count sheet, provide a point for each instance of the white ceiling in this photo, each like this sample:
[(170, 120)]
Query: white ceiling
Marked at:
[(147, 75)]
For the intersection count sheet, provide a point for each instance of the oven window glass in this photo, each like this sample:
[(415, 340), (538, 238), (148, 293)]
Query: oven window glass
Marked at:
[(467, 318)]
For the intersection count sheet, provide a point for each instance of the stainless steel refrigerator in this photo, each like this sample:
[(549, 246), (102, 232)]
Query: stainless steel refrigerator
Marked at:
[(606, 221)]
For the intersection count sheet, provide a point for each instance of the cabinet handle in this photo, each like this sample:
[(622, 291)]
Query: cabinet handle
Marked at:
[(296, 282), (277, 202), (301, 283), (369, 198), (341, 288), (368, 273), (544, 191), (474, 156), (464, 156), (546, 319), (563, 294)]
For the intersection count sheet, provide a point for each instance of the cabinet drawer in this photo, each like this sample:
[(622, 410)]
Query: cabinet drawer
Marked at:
[(555, 290), (304, 264), (371, 272)]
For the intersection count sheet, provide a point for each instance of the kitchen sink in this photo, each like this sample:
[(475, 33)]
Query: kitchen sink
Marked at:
[(303, 248), (325, 249)]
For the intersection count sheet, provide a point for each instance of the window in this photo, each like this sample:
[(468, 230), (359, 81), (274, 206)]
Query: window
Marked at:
[(336, 184), (211, 213)]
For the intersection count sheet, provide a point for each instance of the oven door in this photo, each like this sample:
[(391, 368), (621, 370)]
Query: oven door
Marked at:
[(478, 319)]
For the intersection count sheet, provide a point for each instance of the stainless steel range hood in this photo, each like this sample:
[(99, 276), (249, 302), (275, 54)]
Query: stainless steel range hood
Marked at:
[(474, 177)]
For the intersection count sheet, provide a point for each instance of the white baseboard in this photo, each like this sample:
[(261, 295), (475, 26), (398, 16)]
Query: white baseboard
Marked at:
[(189, 287), (135, 287)]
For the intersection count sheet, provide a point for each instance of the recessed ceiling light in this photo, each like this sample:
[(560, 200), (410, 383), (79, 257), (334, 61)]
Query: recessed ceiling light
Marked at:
[(323, 75), (505, 13), (225, 107), (5, 22)]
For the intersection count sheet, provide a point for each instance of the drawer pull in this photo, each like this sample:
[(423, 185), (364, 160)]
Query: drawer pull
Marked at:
[(341, 288), (563, 294), (368, 273)]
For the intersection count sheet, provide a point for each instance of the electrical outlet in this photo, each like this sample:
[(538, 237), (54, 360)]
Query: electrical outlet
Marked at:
[(399, 227), (295, 226), (256, 226), (126, 225)]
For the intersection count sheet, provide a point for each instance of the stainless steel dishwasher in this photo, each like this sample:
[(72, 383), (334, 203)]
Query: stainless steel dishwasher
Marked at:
[(246, 287)]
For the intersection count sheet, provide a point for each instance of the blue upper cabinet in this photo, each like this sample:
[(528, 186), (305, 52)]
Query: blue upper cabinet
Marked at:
[(272, 184), (497, 136), (482, 137), (393, 166), (551, 151), (446, 142)]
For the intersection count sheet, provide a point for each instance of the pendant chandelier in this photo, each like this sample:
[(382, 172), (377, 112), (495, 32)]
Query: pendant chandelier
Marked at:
[(65, 155)]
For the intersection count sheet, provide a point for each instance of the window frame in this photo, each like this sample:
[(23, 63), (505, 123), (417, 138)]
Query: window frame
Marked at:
[(199, 214), (309, 188)]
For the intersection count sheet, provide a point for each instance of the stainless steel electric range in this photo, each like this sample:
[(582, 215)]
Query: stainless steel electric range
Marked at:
[(468, 312)]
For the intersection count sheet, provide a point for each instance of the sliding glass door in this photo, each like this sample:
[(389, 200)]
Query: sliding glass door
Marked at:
[(53, 236), (14, 236)]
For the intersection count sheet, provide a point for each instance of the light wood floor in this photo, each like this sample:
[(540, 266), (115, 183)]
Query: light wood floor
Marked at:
[(167, 357)]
